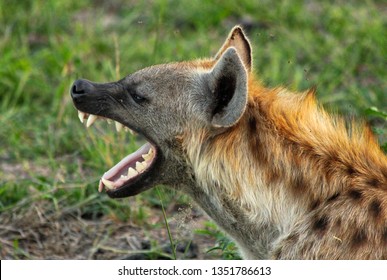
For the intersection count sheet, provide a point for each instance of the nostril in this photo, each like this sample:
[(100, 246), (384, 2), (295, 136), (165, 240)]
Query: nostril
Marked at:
[(77, 90), (81, 87)]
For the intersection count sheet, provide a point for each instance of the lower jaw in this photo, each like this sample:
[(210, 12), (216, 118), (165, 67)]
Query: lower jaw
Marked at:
[(128, 169)]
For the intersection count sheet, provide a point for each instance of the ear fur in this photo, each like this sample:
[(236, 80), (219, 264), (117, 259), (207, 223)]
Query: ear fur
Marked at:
[(239, 41), (228, 85)]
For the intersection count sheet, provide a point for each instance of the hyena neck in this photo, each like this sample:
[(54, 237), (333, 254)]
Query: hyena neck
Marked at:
[(283, 159), (230, 187)]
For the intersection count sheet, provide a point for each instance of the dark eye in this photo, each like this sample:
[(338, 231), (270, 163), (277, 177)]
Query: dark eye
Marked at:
[(137, 98)]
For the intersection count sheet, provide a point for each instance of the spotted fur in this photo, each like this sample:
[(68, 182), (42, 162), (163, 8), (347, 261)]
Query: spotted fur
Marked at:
[(300, 184)]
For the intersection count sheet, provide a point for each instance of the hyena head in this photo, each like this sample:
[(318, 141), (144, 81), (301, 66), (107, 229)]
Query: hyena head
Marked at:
[(163, 101)]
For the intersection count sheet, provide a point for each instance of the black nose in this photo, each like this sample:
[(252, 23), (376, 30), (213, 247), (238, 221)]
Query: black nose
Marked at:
[(81, 87)]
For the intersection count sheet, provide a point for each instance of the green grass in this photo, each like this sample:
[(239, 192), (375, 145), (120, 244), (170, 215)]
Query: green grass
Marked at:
[(47, 156)]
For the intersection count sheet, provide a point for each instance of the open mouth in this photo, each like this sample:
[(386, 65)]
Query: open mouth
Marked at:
[(131, 168)]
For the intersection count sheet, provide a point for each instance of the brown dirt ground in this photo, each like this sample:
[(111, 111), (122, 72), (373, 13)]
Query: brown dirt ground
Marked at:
[(35, 234), (37, 231)]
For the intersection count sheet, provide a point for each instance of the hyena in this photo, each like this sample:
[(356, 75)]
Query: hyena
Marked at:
[(278, 174)]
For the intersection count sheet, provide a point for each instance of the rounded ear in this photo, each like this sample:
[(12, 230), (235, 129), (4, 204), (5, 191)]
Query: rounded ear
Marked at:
[(228, 85), (238, 40)]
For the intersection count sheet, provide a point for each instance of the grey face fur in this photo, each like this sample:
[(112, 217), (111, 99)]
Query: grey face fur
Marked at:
[(160, 102)]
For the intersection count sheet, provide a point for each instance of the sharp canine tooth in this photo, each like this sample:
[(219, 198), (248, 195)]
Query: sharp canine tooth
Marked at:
[(91, 120), (107, 183), (119, 126), (132, 172), (81, 116)]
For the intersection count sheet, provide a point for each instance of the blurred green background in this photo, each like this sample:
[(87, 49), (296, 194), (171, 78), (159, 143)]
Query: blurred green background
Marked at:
[(50, 164)]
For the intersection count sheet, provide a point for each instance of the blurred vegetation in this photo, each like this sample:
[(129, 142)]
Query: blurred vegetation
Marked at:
[(46, 154)]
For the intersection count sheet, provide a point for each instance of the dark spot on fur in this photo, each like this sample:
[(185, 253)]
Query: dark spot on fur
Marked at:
[(321, 223), (373, 183), (350, 170), (333, 197), (257, 145), (384, 236), (314, 204), (384, 172), (359, 238), (338, 222), (375, 208), (299, 184), (355, 194), (252, 125)]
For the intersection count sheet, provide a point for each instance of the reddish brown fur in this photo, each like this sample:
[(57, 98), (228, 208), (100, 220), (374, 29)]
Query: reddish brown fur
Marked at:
[(289, 168), (307, 184), (336, 173)]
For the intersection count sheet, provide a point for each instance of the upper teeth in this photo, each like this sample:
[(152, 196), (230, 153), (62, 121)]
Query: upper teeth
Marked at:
[(81, 116), (119, 126), (92, 118)]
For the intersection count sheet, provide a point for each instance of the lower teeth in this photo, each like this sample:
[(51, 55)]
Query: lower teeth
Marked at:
[(132, 172)]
